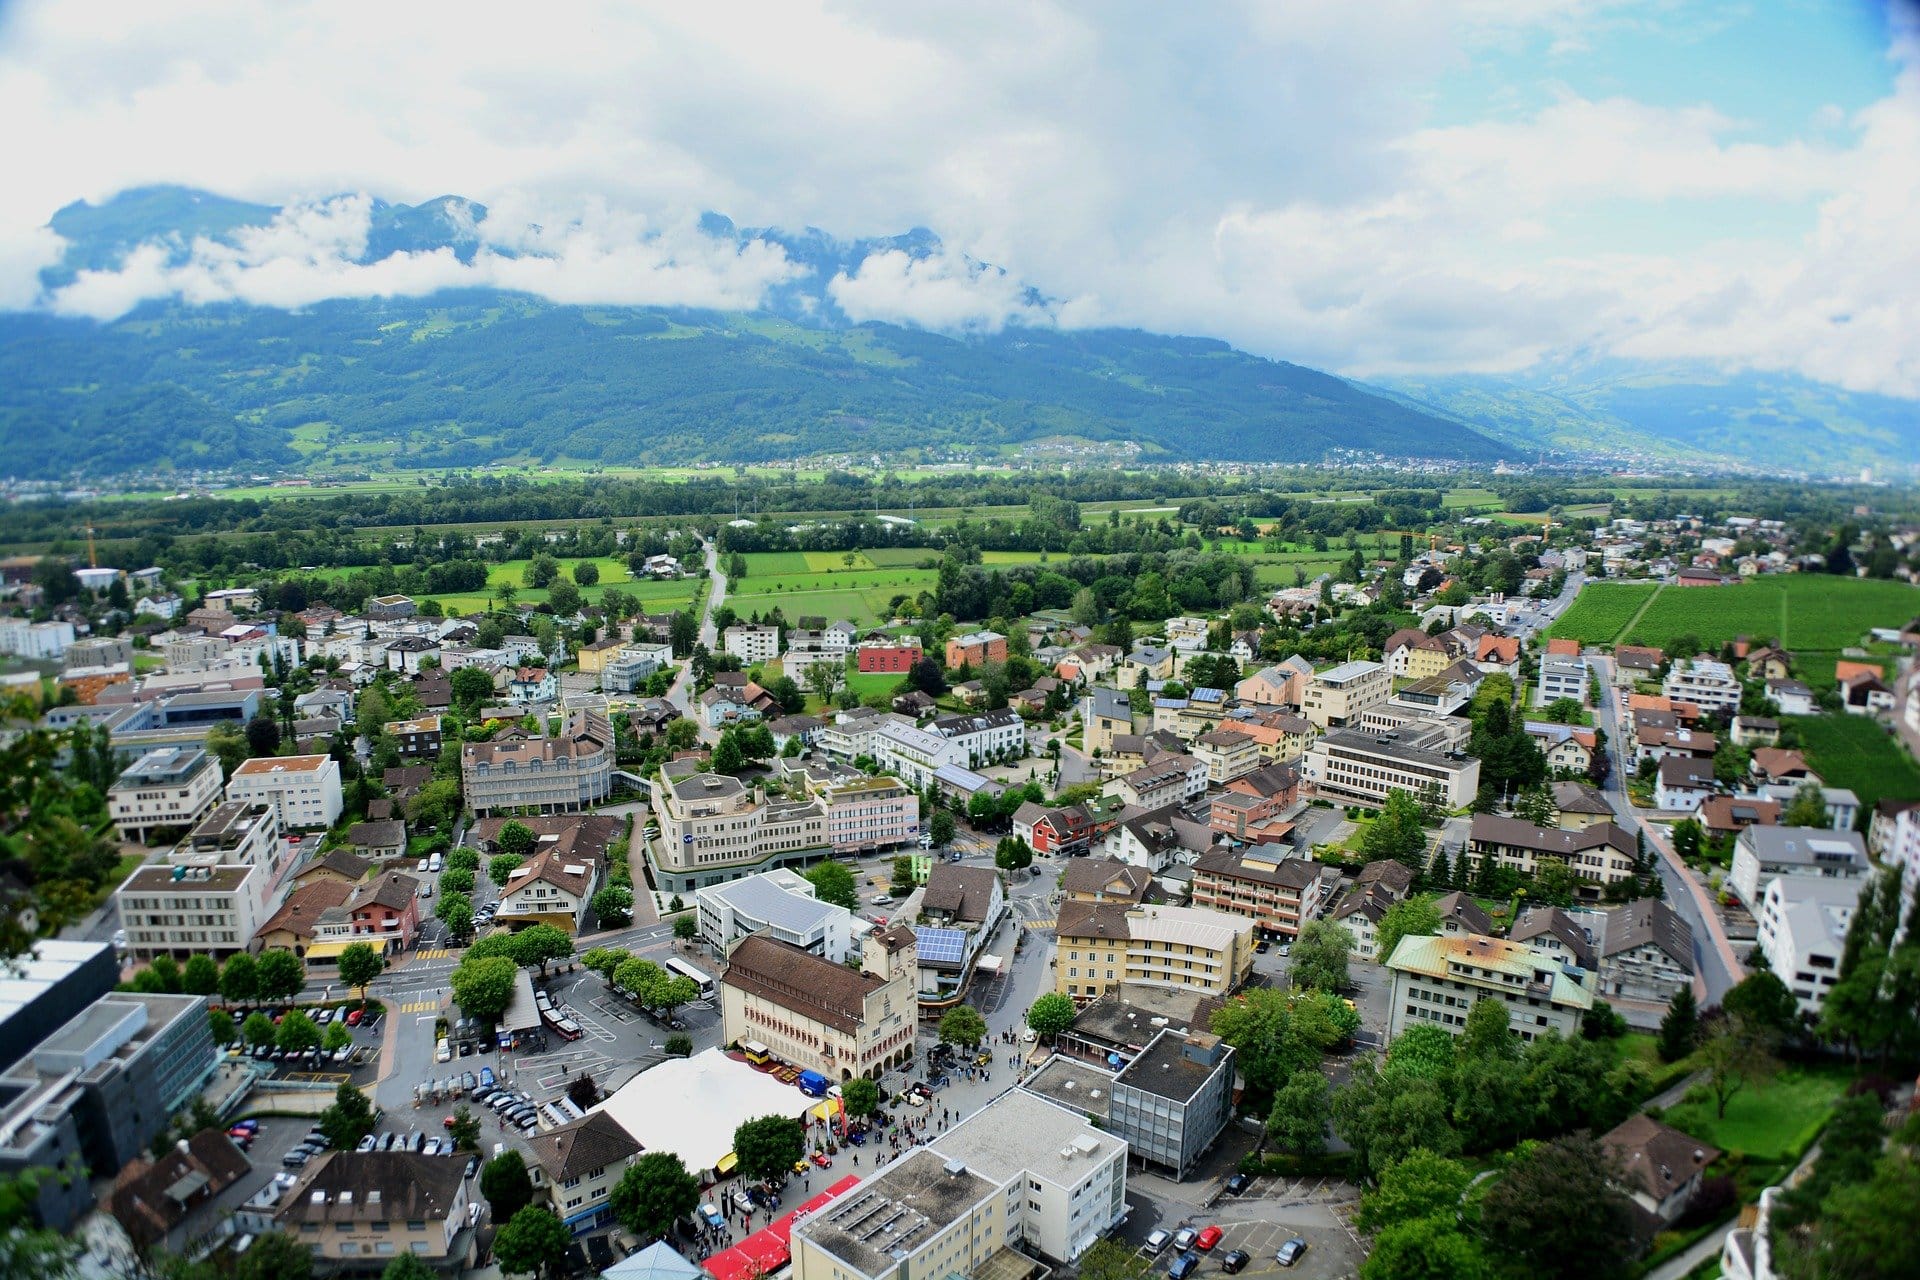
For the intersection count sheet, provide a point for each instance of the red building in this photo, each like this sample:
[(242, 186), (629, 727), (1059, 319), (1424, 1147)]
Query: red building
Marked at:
[(889, 659), (387, 908), (975, 648)]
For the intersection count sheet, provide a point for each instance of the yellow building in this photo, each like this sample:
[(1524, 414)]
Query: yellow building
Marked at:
[(1100, 945)]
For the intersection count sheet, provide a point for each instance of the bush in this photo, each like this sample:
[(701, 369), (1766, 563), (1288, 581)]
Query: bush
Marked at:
[(1324, 1165)]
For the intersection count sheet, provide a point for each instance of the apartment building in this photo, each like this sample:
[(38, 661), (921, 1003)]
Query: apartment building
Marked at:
[(1378, 886), (1437, 979), (1352, 766), (1277, 893), (849, 735), (751, 643), (1106, 714), (1560, 677), (1762, 854), (239, 834), (1646, 951), (1250, 809), (1100, 945), (1169, 779), (171, 787), (1020, 1177), (714, 829), (869, 814), (27, 639), (577, 1165), (1336, 697), (915, 755), (544, 775), (779, 904), (1707, 684), (975, 648), (821, 1016), (183, 909), (887, 657), (303, 791), (1228, 754), (357, 1210), (1600, 855), (631, 665), (985, 736), (418, 739)]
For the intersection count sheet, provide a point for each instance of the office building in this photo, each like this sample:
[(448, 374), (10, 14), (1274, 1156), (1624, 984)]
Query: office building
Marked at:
[(170, 787), (1100, 945), (865, 815), (1437, 979), (1599, 855), (780, 904), (714, 828), (1171, 1102), (1277, 893), (1335, 698), (303, 791), (1352, 766), (549, 775)]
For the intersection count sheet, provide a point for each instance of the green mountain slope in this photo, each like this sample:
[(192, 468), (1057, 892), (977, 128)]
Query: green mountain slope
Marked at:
[(461, 380)]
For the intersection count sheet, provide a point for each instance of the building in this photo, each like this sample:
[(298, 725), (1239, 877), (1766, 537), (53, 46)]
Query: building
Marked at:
[(1251, 809), (418, 739), (1106, 714), (386, 907), (1793, 697), (1646, 952), (1683, 784), (1378, 886), (1761, 854), (1707, 684), (171, 787), (779, 904), (152, 1197), (966, 898), (820, 1016), (751, 643), (45, 985), (714, 829), (356, 1210), (303, 791), (1019, 1179), (553, 887), (89, 1097), (1661, 1168), (184, 910), (1277, 893), (1068, 829), (1665, 742), (1353, 766), (1437, 979), (915, 755), (238, 834), (25, 639), (1169, 779), (880, 656), (577, 1166), (1100, 945), (985, 736), (630, 665), (98, 651), (1561, 677), (294, 926), (1171, 1103), (1228, 754), (380, 839), (1282, 685), (1601, 854), (1106, 880), (868, 814), (1412, 654), (1335, 698), (975, 649), (548, 775), (1803, 931)]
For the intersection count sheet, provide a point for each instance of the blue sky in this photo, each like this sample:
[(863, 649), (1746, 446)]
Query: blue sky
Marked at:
[(1405, 186)]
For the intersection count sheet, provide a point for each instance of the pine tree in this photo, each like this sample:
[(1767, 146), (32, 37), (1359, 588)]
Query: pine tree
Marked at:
[(1443, 869), (1680, 1028)]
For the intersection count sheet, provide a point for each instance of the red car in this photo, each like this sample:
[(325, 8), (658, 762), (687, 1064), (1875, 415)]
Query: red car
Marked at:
[(1207, 1239), (354, 1016), (820, 1158), (447, 1123)]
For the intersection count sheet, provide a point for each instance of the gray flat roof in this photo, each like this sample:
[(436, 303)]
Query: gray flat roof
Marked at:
[(764, 900), (896, 1211), (164, 767), (1024, 1132), (30, 977), (1164, 1069), (1080, 1085)]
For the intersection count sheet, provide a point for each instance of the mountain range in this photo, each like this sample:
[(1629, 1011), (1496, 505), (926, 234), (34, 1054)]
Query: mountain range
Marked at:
[(476, 375)]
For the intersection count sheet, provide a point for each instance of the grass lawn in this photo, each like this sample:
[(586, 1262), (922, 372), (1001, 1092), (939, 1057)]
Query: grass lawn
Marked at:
[(1771, 1122), (657, 597), (854, 606), (1802, 610), (1602, 611), (900, 557), (869, 683), (1856, 753), (771, 562)]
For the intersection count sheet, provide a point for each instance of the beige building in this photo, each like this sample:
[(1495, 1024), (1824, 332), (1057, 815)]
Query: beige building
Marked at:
[(576, 1167), (1100, 945), (1228, 754), (171, 787), (820, 1016), (1350, 766), (1437, 979), (1601, 854), (357, 1210), (303, 790), (550, 775), (1335, 698), (1107, 714), (715, 828), (552, 887), (181, 910)]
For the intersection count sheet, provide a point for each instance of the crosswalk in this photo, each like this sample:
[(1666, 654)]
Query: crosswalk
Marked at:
[(420, 1006), (1047, 923), (433, 953)]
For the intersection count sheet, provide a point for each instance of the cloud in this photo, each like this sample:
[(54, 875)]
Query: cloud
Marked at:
[(1412, 186)]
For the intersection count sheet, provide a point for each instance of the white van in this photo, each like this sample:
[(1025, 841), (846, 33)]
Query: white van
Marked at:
[(434, 864)]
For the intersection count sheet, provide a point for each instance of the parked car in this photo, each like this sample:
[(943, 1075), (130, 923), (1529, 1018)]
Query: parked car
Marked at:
[(1183, 1238), (473, 1166), (294, 1159), (443, 1052), (1207, 1239), (1184, 1265), (368, 1143), (1233, 1261), (354, 1016), (1157, 1241), (1238, 1184), (1290, 1252), (486, 1077)]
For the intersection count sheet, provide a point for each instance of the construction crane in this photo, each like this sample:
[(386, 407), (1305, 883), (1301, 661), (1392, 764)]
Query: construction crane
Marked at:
[(93, 558)]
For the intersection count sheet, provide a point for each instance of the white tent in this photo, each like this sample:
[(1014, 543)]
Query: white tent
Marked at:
[(691, 1106)]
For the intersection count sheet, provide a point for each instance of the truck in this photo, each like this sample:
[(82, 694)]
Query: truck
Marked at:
[(813, 1084)]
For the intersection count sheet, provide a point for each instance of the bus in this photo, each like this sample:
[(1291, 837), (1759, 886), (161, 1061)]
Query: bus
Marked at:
[(681, 969), (561, 1025)]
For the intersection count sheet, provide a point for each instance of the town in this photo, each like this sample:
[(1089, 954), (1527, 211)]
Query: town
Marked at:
[(1416, 882)]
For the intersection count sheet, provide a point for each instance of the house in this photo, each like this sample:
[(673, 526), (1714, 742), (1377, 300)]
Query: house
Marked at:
[(1278, 893), (1663, 742), (577, 1165), (1552, 929), (1250, 808), (984, 736), (533, 684), (1461, 915), (152, 1197), (1601, 854), (1070, 829), (1106, 880), (1105, 714), (1245, 647), (339, 866), (960, 897), (1646, 952), (1187, 634), (1168, 779), (1228, 754), (418, 739), (975, 649), (1567, 747), (291, 928), (1661, 1168), (553, 887), (387, 908), (1561, 677), (1730, 815), (1412, 654), (1864, 693), (1437, 979), (1146, 662), (1281, 685), (1793, 697), (1768, 663), (1763, 854), (1803, 933), (1379, 885), (1579, 804), (378, 841), (1756, 731), (1683, 784), (304, 791), (1633, 663), (349, 1206)]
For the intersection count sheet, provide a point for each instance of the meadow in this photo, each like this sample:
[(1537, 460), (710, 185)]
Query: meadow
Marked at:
[(1803, 611), (1856, 753), (1602, 611), (655, 597)]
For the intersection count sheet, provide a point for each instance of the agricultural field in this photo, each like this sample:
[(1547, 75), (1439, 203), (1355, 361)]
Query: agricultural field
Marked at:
[(898, 557), (1602, 611), (858, 607), (1856, 753), (1804, 611), (655, 597)]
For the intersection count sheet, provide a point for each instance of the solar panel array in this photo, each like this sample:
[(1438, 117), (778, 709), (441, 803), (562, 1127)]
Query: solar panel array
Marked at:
[(941, 946)]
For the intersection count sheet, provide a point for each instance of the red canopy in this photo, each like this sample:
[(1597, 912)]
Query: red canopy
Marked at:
[(770, 1248)]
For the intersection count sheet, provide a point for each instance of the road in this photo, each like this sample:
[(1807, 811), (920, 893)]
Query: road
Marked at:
[(1547, 611), (678, 695), (1716, 966)]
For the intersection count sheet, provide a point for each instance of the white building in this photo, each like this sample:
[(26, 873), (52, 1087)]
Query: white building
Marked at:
[(1337, 697), (1437, 980), (849, 735), (914, 755), (304, 791), (1705, 683), (1561, 677), (26, 639), (171, 787), (1351, 766), (751, 643), (1762, 854), (1803, 930), (633, 664), (984, 735), (780, 903), (182, 910), (1189, 635)]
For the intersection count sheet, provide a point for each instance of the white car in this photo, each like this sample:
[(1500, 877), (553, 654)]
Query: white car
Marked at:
[(444, 1053)]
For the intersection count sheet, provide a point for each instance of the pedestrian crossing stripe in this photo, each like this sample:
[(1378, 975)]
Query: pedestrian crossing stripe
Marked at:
[(433, 953), (1048, 923), (420, 1006)]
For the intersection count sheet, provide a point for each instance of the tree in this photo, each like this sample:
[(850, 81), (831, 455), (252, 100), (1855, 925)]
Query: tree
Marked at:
[(963, 1025), (1012, 854), (501, 866), (1763, 1001), (455, 910), (1425, 1249), (258, 1030), (349, 1119), (586, 573), (1302, 1109), (767, 1147), (483, 986), (239, 981), (360, 964), (640, 979), (1680, 1027), (613, 906), (1396, 831), (1415, 916), (457, 880), (408, 1266), (1734, 1054), (679, 1045), (860, 1096), (1556, 1210), (516, 838), (685, 927), (336, 1037), (227, 743), (533, 1242), (275, 1255), (673, 992), (941, 827), (1111, 1259), (200, 976), (221, 1026), (279, 975), (263, 735), (727, 756), (297, 1033), (541, 945), (505, 1184), (1863, 1230), (833, 883), (1320, 954), (465, 1129), (1489, 1032), (1051, 1014), (1808, 808), (655, 1192), (1424, 1185), (472, 689)]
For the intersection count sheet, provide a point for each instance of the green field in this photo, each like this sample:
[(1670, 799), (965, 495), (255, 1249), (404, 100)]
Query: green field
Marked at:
[(900, 557), (1801, 610), (1856, 753), (858, 607), (1602, 611), (1766, 1122), (657, 597)]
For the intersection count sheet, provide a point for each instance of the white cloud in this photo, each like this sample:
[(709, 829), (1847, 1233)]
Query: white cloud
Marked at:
[(1277, 175)]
